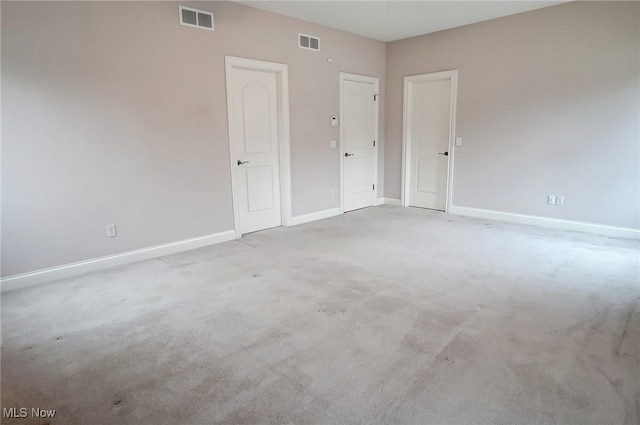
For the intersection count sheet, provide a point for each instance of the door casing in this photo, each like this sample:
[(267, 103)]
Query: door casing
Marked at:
[(345, 76), (281, 72), (406, 132)]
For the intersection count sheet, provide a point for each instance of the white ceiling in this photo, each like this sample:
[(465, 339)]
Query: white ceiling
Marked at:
[(394, 20)]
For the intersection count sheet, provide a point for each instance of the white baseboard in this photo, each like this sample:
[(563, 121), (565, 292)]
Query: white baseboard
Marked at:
[(392, 201), (23, 280), (378, 201), (306, 218), (554, 223)]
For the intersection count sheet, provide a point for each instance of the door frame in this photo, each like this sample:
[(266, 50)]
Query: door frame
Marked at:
[(406, 134), (345, 76), (284, 147)]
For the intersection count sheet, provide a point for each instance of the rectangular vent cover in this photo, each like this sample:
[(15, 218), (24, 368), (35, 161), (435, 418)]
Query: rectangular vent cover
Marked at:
[(196, 18), (308, 42)]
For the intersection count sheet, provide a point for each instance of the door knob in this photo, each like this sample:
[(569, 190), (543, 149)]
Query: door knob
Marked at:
[(242, 162), (346, 154), (443, 153)]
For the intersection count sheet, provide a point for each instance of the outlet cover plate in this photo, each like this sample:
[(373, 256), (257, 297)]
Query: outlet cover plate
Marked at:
[(111, 231)]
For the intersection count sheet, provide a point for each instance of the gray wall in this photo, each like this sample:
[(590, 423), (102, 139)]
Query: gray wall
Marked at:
[(114, 113), (548, 103)]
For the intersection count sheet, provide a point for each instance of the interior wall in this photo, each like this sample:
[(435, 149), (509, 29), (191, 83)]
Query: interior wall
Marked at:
[(112, 112), (548, 103)]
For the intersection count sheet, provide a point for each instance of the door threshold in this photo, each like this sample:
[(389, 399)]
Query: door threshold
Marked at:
[(425, 208), (358, 209)]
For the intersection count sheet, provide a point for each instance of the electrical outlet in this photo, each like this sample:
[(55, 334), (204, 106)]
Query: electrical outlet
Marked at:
[(551, 199), (111, 231), (560, 200)]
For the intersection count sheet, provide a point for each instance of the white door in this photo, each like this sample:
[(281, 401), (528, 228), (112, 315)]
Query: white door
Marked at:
[(428, 136), (254, 117), (359, 125)]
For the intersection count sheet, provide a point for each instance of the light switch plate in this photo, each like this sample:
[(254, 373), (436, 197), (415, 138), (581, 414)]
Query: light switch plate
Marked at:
[(458, 141), (333, 144)]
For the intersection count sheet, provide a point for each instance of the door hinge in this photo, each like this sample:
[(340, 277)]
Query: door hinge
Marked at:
[(374, 187), (375, 97), (374, 143)]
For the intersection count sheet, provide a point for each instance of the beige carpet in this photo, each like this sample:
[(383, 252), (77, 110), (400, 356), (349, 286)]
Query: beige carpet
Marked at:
[(386, 315)]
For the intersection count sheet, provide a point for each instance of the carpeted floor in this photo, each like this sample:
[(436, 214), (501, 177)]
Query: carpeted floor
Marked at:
[(386, 315)]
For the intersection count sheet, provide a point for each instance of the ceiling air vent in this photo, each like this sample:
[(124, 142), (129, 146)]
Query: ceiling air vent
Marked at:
[(308, 42), (196, 18)]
